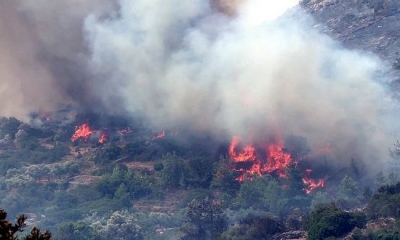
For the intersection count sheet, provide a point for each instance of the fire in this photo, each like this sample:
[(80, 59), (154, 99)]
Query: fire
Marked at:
[(326, 149), (311, 183), (82, 132), (277, 160), (247, 154), (45, 117), (124, 131), (160, 135), (103, 138)]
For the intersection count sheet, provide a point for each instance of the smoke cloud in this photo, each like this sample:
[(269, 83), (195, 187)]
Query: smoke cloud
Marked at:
[(225, 67)]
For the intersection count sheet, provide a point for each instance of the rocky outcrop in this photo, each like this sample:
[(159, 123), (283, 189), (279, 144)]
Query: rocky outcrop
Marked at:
[(368, 25), (292, 235)]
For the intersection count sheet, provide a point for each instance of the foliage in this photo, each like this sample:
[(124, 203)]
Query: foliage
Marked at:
[(120, 225), (349, 193), (200, 172), (254, 227), (9, 230), (385, 203), (158, 167), (108, 154), (72, 231), (327, 220), (123, 184), (224, 179), (173, 171), (205, 220)]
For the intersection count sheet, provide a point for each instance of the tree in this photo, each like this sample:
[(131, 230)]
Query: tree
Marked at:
[(122, 225), (8, 230), (200, 172), (73, 231), (172, 172), (349, 189), (205, 220), (254, 227)]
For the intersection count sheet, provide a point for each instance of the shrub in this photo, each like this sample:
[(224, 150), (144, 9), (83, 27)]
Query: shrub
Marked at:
[(327, 220)]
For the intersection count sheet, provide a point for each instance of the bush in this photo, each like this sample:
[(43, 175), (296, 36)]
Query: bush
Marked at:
[(327, 220), (386, 203), (158, 167)]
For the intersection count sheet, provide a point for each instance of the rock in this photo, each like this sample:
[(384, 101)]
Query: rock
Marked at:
[(292, 235)]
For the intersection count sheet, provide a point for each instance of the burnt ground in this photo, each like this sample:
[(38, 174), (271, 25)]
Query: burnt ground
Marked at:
[(368, 25)]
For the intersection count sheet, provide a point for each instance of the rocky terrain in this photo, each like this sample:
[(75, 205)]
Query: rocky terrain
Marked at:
[(371, 26)]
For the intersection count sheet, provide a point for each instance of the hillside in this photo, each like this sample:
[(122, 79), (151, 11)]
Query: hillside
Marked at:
[(232, 132), (371, 26)]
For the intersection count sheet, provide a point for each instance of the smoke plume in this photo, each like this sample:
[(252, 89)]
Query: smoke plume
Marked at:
[(227, 67)]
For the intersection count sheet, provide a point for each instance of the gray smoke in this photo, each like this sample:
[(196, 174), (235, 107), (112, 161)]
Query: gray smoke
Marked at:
[(44, 54), (229, 69)]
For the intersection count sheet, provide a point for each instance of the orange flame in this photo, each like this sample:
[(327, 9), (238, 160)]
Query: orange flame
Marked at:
[(247, 153), (311, 183), (82, 132), (277, 161), (103, 138)]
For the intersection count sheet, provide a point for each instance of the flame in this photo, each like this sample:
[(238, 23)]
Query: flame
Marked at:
[(278, 160), (311, 183), (103, 138), (83, 131), (45, 117), (249, 164), (160, 135), (124, 131), (326, 149), (247, 153)]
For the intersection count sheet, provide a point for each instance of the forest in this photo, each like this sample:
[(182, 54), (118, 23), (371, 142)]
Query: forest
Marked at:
[(140, 184)]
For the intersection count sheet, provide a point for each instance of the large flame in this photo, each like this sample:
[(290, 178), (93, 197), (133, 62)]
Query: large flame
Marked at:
[(82, 132), (277, 161), (247, 153)]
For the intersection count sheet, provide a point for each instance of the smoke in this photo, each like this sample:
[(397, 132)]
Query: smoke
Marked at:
[(251, 74), (226, 67), (43, 54)]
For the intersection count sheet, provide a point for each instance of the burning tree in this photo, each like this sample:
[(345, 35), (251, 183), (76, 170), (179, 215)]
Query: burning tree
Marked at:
[(272, 158)]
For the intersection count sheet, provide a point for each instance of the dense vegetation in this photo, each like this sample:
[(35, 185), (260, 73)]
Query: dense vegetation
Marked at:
[(138, 186)]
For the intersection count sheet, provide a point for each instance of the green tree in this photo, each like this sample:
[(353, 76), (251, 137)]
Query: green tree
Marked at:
[(349, 189), (172, 172), (8, 231), (200, 172), (205, 220), (254, 227), (73, 231), (224, 178)]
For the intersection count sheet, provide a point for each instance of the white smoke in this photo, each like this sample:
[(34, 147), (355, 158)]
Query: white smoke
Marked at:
[(180, 63), (230, 67)]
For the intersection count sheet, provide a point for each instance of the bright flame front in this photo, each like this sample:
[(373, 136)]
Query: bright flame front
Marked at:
[(248, 163)]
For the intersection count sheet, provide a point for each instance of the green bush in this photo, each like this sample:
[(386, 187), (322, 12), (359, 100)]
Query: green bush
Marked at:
[(386, 203), (327, 220)]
